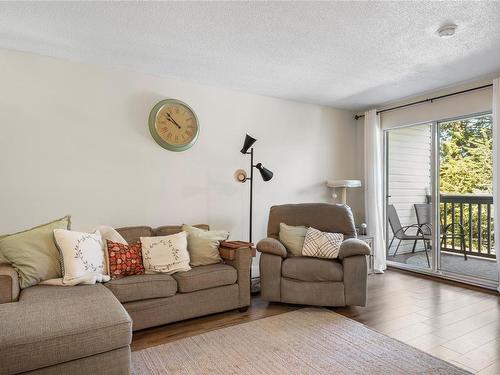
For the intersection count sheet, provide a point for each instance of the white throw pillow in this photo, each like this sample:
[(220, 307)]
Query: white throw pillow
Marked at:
[(322, 244), (109, 234), (165, 254), (83, 257)]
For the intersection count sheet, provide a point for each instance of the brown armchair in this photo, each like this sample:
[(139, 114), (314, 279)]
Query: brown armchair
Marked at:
[(313, 281)]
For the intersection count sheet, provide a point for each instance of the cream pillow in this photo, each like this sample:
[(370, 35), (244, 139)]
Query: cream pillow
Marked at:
[(83, 257), (293, 238), (165, 254), (203, 245), (322, 244), (109, 234)]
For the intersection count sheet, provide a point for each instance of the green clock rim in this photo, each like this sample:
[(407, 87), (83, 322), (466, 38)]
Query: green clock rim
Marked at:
[(156, 136)]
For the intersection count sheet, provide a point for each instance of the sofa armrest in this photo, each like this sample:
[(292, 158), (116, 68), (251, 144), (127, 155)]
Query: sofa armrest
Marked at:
[(272, 246), (352, 247), (243, 263), (9, 284)]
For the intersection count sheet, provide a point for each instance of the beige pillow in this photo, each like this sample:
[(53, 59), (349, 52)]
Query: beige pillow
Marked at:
[(293, 238), (322, 244), (203, 245), (165, 254), (33, 252)]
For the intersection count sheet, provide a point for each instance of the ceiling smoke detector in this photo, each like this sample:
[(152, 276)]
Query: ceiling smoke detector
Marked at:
[(447, 31)]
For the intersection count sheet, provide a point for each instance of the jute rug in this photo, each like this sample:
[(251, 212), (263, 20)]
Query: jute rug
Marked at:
[(306, 341)]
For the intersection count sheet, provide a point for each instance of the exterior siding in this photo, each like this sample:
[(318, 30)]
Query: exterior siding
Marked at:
[(409, 174)]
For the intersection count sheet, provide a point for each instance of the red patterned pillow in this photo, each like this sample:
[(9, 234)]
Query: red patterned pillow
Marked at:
[(124, 260)]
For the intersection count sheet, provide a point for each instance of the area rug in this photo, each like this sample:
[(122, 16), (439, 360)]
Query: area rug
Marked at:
[(305, 341)]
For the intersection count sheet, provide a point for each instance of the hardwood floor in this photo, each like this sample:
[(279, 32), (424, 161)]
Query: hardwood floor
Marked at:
[(457, 323)]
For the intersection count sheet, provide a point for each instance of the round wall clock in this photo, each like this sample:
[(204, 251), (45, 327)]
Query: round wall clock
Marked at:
[(173, 125)]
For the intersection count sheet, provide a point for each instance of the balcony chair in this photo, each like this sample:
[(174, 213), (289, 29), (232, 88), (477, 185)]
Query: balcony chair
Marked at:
[(399, 232), (423, 212), (308, 280)]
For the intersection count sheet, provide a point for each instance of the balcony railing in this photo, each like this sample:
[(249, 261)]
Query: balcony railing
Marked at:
[(473, 213)]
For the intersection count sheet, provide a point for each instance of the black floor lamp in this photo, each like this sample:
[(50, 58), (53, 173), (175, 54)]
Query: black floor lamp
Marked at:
[(241, 176)]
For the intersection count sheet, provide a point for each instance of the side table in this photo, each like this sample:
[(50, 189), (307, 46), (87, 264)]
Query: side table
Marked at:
[(369, 258)]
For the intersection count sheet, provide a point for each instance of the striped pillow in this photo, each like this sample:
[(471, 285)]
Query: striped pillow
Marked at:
[(322, 244)]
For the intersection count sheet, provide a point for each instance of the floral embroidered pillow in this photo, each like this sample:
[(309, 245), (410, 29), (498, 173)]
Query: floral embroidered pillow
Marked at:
[(82, 256), (165, 254), (124, 260)]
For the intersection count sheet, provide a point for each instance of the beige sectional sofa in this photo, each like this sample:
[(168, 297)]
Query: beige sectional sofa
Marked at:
[(88, 329)]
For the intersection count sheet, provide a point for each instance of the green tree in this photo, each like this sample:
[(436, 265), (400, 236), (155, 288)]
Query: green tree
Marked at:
[(467, 168), (466, 156)]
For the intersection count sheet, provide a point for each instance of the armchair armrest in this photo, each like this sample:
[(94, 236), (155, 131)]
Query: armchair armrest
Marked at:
[(272, 246), (352, 247), (9, 284)]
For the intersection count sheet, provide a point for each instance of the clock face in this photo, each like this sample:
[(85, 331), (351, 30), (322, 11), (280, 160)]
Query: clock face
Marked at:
[(173, 125)]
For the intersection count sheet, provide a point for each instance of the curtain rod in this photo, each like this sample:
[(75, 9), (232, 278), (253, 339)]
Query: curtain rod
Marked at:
[(357, 117)]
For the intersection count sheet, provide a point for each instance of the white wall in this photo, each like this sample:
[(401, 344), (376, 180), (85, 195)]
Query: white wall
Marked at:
[(74, 139)]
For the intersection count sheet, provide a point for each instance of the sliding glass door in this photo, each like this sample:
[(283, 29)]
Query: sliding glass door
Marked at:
[(465, 185), (408, 195), (438, 198)]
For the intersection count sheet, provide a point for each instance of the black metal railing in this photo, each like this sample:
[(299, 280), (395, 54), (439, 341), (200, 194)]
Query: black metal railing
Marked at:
[(470, 216)]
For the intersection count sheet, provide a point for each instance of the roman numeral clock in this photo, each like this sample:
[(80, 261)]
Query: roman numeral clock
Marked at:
[(173, 125)]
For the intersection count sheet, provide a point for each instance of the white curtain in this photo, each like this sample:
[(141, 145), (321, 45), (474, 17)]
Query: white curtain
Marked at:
[(374, 190), (496, 171)]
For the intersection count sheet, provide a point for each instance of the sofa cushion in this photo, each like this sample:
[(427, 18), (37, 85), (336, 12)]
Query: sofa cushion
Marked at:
[(326, 217), (52, 324), (312, 269), (133, 234), (167, 230), (140, 287), (205, 277)]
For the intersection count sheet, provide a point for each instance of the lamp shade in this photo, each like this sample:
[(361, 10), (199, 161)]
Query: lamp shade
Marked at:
[(240, 175), (249, 141), (264, 172)]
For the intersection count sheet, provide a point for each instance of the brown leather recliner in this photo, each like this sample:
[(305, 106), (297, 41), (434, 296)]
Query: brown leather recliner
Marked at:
[(313, 281)]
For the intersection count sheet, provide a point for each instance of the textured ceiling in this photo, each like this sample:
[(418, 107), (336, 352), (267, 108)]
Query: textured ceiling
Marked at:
[(349, 55)]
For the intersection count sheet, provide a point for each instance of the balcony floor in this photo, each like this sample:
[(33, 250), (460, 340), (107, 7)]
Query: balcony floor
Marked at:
[(474, 266)]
